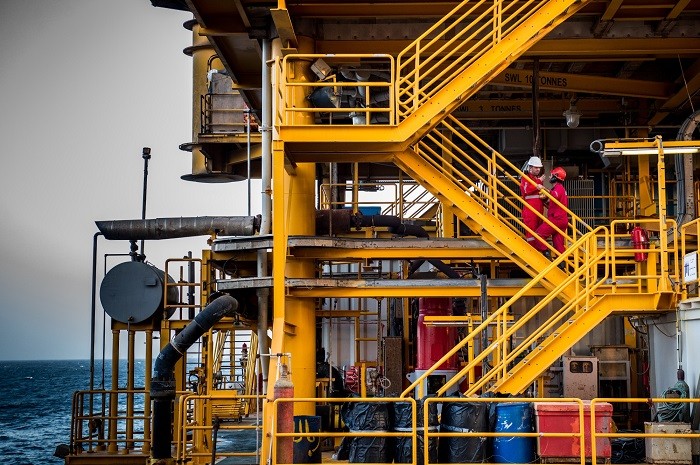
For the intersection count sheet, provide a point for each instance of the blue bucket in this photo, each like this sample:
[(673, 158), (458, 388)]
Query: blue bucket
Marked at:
[(515, 417)]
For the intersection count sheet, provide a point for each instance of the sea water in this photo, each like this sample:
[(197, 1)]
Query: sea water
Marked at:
[(35, 405)]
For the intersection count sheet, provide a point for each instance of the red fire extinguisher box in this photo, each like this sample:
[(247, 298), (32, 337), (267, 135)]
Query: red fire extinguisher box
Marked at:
[(563, 417)]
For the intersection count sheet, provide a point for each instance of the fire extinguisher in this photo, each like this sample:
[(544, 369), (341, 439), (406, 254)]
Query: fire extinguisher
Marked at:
[(640, 241)]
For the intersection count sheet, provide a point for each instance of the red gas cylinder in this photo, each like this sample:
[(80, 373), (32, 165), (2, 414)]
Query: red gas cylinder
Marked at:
[(434, 341), (284, 389), (640, 241)]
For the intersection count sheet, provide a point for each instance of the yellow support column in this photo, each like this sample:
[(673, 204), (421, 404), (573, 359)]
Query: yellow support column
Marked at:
[(647, 205), (293, 207)]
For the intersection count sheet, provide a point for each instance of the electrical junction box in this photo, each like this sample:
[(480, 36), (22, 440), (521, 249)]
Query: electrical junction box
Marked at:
[(669, 450), (580, 377)]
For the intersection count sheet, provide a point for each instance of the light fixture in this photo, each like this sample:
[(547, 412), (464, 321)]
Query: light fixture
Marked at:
[(572, 115), (676, 151), (617, 148)]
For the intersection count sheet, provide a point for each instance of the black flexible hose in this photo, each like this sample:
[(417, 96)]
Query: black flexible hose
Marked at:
[(163, 383)]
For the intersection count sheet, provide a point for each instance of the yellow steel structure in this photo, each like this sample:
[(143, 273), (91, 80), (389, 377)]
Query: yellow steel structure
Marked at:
[(453, 71), (465, 189)]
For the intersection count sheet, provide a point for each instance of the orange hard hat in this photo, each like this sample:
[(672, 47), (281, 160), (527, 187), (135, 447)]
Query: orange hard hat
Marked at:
[(558, 173)]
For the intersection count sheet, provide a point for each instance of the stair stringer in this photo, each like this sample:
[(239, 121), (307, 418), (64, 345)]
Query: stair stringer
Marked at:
[(497, 234), (565, 336)]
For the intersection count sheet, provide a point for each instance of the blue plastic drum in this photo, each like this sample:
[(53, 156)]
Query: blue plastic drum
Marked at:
[(516, 417)]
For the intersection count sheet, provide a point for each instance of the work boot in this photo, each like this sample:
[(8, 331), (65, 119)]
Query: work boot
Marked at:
[(547, 254)]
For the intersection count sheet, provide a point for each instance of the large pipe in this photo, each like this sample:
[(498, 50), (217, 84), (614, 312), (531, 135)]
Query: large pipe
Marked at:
[(394, 224), (163, 383), (170, 228), (684, 173)]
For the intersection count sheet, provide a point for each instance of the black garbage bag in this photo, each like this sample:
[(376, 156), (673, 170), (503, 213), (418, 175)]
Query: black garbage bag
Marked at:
[(627, 450), (402, 421), (463, 417), (368, 416)]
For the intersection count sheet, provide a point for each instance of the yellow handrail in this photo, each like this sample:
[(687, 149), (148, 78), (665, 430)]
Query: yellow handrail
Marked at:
[(485, 181), (690, 270), (501, 310), (452, 44), (585, 279)]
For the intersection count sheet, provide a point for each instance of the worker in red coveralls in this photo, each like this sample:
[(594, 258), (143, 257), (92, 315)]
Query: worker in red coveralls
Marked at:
[(530, 187), (558, 215)]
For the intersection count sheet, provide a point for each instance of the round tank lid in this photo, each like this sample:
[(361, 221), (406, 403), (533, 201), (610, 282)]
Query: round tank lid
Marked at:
[(131, 292)]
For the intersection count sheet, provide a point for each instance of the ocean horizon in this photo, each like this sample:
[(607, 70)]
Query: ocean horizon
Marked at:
[(35, 410)]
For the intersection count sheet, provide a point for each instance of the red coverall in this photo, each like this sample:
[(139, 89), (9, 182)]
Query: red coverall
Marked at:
[(559, 217), (531, 194)]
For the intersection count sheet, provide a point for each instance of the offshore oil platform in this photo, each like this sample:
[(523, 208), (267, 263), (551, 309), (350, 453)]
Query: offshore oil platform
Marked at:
[(396, 298)]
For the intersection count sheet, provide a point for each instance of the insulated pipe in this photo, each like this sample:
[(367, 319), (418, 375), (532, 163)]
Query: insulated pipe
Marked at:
[(170, 228), (394, 224), (163, 382), (684, 177), (439, 264)]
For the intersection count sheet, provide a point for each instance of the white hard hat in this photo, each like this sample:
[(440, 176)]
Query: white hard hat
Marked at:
[(535, 161)]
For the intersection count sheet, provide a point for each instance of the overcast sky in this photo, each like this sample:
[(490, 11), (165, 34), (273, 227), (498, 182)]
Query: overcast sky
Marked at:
[(84, 85)]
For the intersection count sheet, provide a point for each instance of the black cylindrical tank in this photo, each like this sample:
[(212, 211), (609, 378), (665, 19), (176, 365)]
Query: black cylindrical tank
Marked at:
[(368, 417), (132, 292), (403, 422), (463, 417)]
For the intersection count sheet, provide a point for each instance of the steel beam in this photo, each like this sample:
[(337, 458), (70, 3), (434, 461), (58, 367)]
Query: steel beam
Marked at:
[(580, 83)]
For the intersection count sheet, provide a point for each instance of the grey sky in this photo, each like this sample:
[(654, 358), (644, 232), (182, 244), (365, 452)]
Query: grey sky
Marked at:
[(84, 85)]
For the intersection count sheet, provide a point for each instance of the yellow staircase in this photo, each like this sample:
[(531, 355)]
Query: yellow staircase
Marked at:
[(443, 68), (475, 185), (473, 180), (514, 369), (439, 71)]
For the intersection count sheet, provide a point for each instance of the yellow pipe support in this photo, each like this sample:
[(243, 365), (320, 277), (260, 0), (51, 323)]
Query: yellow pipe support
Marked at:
[(293, 197), (148, 370), (113, 401), (130, 387)]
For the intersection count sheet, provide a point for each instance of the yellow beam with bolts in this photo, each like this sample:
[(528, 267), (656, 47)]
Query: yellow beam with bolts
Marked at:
[(408, 249), (366, 288), (522, 108), (571, 49)]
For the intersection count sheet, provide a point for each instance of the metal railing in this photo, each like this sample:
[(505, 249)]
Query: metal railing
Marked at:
[(404, 199), (106, 429), (453, 44), (561, 430), (690, 232), (224, 114), (486, 176), (672, 444), (203, 418), (600, 262), (437, 57), (293, 94)]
